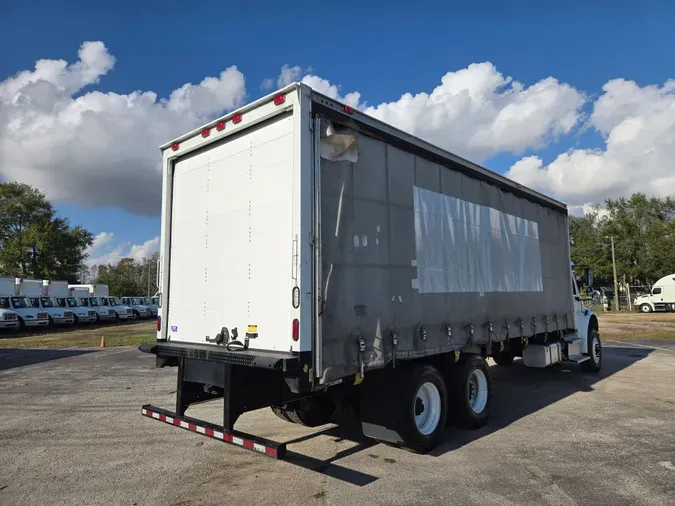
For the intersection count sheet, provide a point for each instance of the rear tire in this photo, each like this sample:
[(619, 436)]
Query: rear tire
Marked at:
[(470, 392), (504, 358), (594, 364), (424, 400)]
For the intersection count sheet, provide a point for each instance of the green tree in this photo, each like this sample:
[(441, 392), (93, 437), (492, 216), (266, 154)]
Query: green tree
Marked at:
[(122, 279), (34, 241)]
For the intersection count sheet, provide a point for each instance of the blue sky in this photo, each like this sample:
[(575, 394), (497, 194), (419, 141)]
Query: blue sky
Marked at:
[(381, 51)]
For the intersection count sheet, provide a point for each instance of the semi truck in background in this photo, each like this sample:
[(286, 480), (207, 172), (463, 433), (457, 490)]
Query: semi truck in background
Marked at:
[(59, 291), (28, 316), (346, 266), (660, 298), (33, 290)]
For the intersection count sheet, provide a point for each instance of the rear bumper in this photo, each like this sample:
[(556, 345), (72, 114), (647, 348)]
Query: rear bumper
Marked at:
[(241, 439), (286, 362)]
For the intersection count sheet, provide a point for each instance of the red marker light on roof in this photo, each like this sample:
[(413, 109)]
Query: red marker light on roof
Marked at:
[(206, 132), (175, 146), (279, 99), (236, 119), (348, 109), (220, 126)]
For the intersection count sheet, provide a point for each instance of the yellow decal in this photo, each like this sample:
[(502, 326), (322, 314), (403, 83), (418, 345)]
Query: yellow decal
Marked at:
[(252, 329), (456, 355), (358, 379), (305, 368)]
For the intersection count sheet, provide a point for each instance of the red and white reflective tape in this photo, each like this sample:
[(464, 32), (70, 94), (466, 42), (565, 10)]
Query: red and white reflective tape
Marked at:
[(223, 436)]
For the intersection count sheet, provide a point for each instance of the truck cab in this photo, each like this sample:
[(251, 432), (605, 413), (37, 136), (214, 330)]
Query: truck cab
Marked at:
[(139, 309), (660, 298), (122, 312), (8, 319), (151, 303), (28, 315), (57, 315), (103, 313), (81, 314)]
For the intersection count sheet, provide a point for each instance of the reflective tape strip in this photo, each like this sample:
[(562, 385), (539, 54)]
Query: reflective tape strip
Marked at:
[(223, 436)]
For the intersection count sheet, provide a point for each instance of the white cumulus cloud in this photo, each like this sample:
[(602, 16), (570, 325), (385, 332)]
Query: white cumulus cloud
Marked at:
[(475, 112), (103, 251), (95, 148), (638, 126)]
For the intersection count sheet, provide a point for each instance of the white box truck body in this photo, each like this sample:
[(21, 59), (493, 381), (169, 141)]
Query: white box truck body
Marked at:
[(23, 306), (312, 256), (36, 291), (9, 318), (61, 294), (86, 297)]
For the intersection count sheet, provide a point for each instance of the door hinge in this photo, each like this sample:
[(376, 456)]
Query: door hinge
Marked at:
[(311, 239)]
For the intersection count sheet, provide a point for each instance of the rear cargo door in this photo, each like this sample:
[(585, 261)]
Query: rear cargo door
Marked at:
[(232, 238)]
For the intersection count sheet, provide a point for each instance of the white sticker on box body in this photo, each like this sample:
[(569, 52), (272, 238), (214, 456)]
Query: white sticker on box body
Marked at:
[(466, 247)]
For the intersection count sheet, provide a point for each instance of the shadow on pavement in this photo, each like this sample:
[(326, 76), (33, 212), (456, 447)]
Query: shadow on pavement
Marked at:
[(517, 392), (19, 357)]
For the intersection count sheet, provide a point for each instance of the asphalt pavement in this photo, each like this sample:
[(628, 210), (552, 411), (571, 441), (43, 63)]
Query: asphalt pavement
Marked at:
[(71, 433)]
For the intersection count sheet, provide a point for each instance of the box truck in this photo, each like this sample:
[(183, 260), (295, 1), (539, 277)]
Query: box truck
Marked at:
[(660, 298), (316, 260), (27, 315), (139, 309), (34, 291), (88, 296), (9, 319), (59, 291)]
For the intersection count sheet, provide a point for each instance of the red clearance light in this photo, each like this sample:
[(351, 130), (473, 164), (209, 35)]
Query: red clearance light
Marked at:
[(206, 132), (296, 329), (279, 99), (236, 119), (220, 126), (175, 146), (159, 323), (348, 109)]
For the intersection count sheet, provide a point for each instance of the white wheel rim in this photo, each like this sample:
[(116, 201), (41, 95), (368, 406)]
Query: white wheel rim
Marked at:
[(645, 308), (427, 408), (595, 349), (478, 391)]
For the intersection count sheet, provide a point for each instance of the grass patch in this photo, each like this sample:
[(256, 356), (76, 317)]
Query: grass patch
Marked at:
[(124, 334)]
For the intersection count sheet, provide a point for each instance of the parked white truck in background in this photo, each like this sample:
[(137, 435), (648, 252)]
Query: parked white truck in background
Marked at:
[(9, 319), (124, 313), (59, 291), (35, 291), (140, 310), (85, 294), (661, 297), (346, 264), (28, 316)]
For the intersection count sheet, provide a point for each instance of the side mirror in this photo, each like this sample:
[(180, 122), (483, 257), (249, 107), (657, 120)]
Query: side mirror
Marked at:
[(588, 276)]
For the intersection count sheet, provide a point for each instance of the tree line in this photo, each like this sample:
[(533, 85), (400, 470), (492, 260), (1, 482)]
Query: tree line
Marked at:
[(35, 242), (643, 229)]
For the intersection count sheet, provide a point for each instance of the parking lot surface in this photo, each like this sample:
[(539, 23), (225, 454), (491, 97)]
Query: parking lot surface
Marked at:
[(71, 432)]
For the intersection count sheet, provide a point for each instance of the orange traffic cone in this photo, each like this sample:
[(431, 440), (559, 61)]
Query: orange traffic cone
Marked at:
[(102, 345)]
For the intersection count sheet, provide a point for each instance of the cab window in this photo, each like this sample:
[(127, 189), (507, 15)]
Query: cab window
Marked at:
[(656, 291)]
